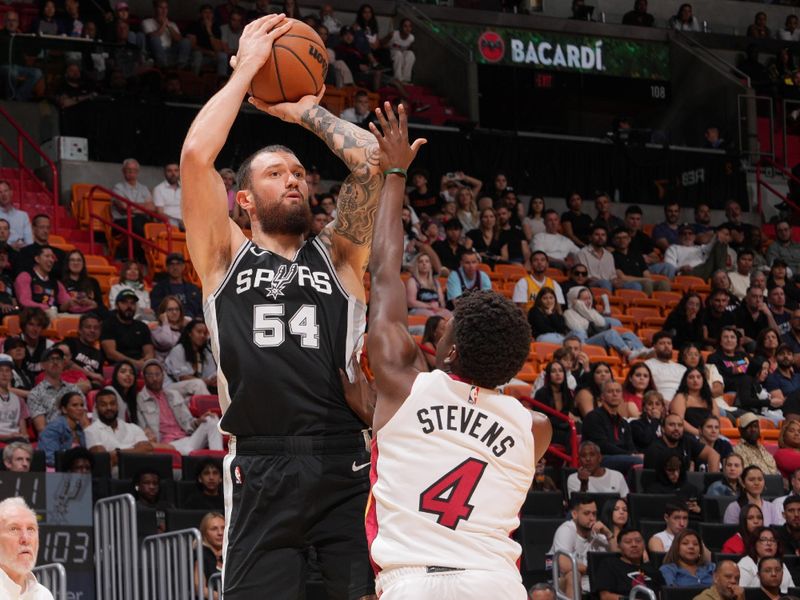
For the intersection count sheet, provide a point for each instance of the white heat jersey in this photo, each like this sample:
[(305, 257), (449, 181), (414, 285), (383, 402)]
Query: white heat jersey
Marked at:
[(450, 472)]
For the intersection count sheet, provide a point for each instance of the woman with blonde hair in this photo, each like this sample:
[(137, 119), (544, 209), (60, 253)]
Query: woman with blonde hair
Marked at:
[(467, 209), (212, 530), (424, 294)]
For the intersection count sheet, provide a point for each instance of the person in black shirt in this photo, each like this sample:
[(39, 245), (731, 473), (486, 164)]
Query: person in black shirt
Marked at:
[(638, 16), (8, 303), (208, 494), (631, 266), (82, 288), (715, 318), (577, 226), (752, 316), (729, 360), (450, 249), (122, 337), (647, 428), (673, 439), (85, 354), (176, 285), (206, 39), (147, 491), (685, 321), (423, 200), (545, 318), (610, 432), (212, 528), (619, 574), (789, 533), (512, 238)]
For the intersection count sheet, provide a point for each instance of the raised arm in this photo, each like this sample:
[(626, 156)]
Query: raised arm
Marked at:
[(212, 237), (391, 349)]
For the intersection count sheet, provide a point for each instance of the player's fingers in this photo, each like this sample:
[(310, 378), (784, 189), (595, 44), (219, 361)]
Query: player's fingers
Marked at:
[(403, 118), (418, 143), (376, 132), (390, 116), (279, 31), (269, 22), (261, 105), (382, 121)]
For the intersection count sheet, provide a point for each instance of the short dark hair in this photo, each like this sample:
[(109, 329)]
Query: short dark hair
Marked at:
[(660, 335), (41, 249), (597, 226), (626, 531), (764, 559), (579, 499), (39, 216), (549, 211), (793, 499), (633, 209), (493, 338), (673, 507), (67, 397), (104, 392), (453, 224), (745, 252), (536, 252), (33, 313), (74, 454), (87, 317), (244, 174), (360, 94)]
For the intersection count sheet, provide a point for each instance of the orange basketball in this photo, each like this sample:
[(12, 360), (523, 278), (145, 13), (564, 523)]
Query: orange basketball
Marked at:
[(296, 68)]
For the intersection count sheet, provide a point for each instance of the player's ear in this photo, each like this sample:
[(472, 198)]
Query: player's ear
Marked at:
[(451, 356), (244, 198)]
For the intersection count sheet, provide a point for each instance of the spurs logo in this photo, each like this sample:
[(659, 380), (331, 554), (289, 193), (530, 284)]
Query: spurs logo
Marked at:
[(282, 278)]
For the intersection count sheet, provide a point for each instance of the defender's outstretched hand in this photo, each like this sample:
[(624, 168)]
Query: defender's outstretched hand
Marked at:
[(396, 153), (255, 45)]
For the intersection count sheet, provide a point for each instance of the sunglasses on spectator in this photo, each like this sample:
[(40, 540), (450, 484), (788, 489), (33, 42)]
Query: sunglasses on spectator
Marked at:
[(580, 273)]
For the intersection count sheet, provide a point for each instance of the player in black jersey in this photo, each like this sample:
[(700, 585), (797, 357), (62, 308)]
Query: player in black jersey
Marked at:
[(285, 316)]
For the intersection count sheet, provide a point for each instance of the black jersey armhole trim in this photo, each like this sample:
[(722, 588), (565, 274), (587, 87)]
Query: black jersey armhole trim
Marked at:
[(321, 249), (234, 263)]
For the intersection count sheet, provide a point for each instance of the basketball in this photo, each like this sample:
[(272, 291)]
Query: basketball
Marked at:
[(296, 68)]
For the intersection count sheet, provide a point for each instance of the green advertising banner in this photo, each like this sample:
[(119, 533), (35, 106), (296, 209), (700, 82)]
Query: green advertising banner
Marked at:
[(592, 55)]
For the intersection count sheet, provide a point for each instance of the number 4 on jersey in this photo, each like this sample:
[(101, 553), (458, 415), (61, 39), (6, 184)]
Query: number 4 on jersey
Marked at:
[(449, 496)]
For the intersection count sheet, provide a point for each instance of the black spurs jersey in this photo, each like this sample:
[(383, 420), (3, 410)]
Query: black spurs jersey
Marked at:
[(280, 331)]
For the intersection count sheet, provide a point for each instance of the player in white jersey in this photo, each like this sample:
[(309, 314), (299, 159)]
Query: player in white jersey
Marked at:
[(452, 458)]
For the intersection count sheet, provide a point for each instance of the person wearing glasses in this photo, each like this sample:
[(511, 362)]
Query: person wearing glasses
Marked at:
[(764, 544), (578, 275)]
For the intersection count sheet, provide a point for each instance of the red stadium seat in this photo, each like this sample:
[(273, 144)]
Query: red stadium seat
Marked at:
[(199, 405)]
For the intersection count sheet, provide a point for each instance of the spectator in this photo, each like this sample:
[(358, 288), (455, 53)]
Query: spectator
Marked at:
[(122, 337), (699, 261), (212, 530), (164, 40), (741, 232), (726, 584), (528, 287), (74, 88), (84, 349), (575, 224), (176, 285), (360, 113), (611, 432), (533, 223), (39, 288), (716, 317), (421, 198), (730, 361), (132, 279), (776, 303), (164, 416), (486, 239), (590, 388), (82, 288), (766, 347), (789, 533), (616, 517), (66, 430), (792, 339), (542, 591), (685, 321), (702, 217), (514, 246), (685, 564), (130, 189), (685, 19), (21, 382), (44, 399), (647, 428), (731, 482), (424, 295), (467, 210), (637, 383), (556, 394), (751, 493), (710, 436), (47, 23), (190, 364), (621, 573), (581, 318), (602, 204), (631, 269), (559, 249), (545, 318), (794, 489), (77, 460), (671, 479), (33, 321), (467, 277), (751, 519), (123, 382), (787, 458), (763, 545), (231, 32), (665, 234), (22, 79), (740, 278), (642, 244), (582, 534), (17, 457), (13, 409), (206, 39), (641, 18), (71, 373), (759, 29), (783, 247), (18, 220), (592, 477), (147, 491), (674, 439), (599, 262), (19, 547), (110, 434), (790, 31), (693, 400), (171, 321), (770, 576), (167, 195), (676, 518), (666, 373), (750, 449), (578, 275), (208, 495), (41, 239), (403, 57)]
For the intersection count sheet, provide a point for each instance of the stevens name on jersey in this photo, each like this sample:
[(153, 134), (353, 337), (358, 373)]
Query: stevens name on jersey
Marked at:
[(466, 420)]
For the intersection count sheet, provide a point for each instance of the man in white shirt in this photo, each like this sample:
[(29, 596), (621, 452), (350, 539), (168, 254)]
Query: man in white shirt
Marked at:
[(592, 477), (164, 40), (577, 537), (560, 250), (597, 260), (109, 434), (740, 278), (134, 192), (232, 31), (359, 112), (18, 221), (700, 261), (167, 195), (19, 545), (526, 288), (667, 374)]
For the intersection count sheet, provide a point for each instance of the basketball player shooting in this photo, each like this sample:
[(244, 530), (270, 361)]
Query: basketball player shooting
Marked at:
[(452, 458), (284, 316)]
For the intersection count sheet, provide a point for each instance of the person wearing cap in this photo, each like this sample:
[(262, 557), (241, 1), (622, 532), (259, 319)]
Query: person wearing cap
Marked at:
[(175, 285), (124, 338), (700, 261), (167, 195), (751, 449), (13, 409), (166, 419), (784, 247), (43, 401)]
